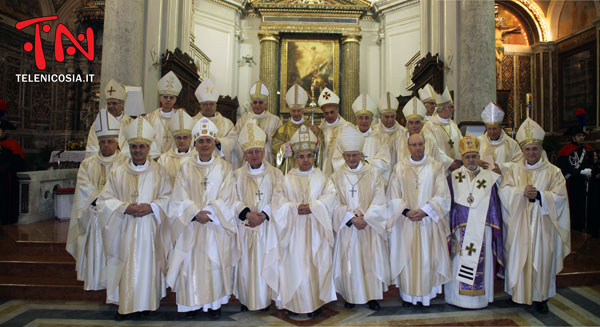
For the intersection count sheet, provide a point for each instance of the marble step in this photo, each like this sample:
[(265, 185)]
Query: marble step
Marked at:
[(33, 266)]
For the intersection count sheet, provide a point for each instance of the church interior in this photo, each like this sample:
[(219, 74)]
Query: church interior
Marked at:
[(534, 58)]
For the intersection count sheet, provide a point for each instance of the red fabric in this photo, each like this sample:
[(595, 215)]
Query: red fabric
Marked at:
[(13, 146), (66, 190), (2, 105), (580, 111), (566, 150)]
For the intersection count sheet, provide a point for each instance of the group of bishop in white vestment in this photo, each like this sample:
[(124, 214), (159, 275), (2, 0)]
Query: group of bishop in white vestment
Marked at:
[(296, 214)]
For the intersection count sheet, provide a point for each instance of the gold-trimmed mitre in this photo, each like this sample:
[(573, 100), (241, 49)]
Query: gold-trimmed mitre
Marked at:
[(115, 90), (106, 124), (204, 127), (427, 93), (492, 114), (139, 130), (388, 103), (303, 140), (207, 91), (259, 91), (327, 96), (364, 104), (530, 132), (445, 99), (181, 123), (468, 144), (296, 97), (414, 108), (350, 139), (169, 84), (252, 136)]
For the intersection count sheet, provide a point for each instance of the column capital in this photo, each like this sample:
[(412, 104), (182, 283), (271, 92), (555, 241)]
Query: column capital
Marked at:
[(543, 47), (351, 38), (268, 37)]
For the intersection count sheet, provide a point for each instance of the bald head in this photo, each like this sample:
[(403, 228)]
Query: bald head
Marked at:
[(416, 146)]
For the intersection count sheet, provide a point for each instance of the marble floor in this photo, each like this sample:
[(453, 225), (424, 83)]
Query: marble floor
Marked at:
[(572, 306)]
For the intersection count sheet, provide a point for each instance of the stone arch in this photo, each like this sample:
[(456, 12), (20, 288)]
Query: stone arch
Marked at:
[(529, 13)]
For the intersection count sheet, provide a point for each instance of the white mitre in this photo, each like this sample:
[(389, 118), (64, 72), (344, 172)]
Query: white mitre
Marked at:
[(134, 105), (207, 91), (530, 132), (327, 96), (139, 130), (303, 140), (492, 114), (350, 139), (259, 91), (251, 136), (364, 104), (181, 123), (204, 127), (296, 97), (106, 124), (427, 93), (388, 103), (169, 84), (115, 90), (445, 99), (414, 108)]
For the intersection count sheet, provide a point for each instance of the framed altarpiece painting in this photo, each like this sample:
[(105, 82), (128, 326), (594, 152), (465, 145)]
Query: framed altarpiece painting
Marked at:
[(312, 62)]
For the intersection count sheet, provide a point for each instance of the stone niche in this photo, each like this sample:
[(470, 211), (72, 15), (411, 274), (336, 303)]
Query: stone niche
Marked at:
[(36, 192)]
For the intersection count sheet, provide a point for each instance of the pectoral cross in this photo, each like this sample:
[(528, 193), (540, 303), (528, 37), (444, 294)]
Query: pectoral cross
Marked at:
[(470, 249), (352, 191), (259, 194), (451, 143), (460, 177), (417, 183), (110, 92), (205, 182), (481, 183), (134, 196)]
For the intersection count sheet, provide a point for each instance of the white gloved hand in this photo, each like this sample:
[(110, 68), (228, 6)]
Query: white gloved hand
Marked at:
[(586, 172)]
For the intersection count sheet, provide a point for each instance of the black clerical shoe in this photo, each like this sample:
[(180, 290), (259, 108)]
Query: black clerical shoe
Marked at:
[(542, 307), (243, 308), (214, 314), (314, 314), (406, 304), (374, 305), (348, 305), (130, 316)]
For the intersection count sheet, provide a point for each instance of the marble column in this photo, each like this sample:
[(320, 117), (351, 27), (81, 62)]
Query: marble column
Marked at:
[(350, 74), (269, 63), (477, 72), (122, 48)]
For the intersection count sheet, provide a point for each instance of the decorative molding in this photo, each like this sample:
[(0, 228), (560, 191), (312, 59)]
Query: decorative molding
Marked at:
[(383, 7), (229, 4), (538, 17)]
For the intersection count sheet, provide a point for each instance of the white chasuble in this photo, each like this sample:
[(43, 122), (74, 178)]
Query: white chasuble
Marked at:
[(92, 147), (227, 135), (361, 257), (503, 150), (420, 262), (305, 241), (84, 241), (256, 277), (399, 148), (201, 264), (538, 236), (330, 134), (162, 135), (134, 251), (268, 122), (376, 152), (173, 159), (446, 134)]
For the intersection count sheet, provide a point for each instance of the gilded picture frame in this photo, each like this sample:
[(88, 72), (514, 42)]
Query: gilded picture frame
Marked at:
[(313, 63)]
